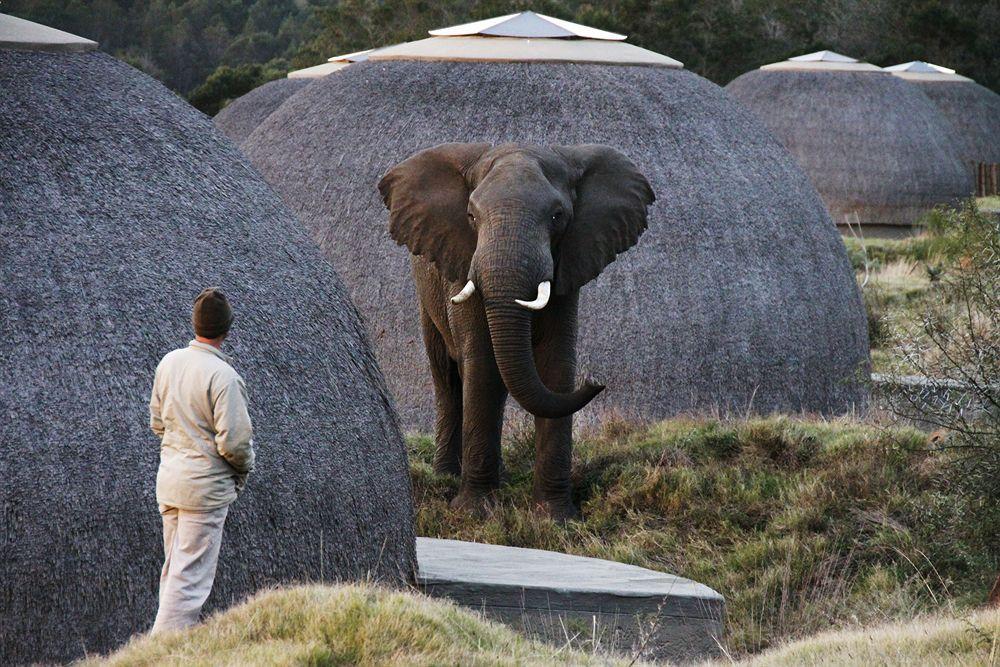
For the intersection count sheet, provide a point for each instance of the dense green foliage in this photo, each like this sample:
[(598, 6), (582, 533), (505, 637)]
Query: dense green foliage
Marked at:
[(183, 41), (801, 525)]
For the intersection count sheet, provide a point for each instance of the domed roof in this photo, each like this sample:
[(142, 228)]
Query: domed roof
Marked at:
[(241, 116), (974, 110), (876, 148), (118, 203), (739, 296)]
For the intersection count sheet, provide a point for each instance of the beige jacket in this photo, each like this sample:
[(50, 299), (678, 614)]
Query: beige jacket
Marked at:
[(199, 409)]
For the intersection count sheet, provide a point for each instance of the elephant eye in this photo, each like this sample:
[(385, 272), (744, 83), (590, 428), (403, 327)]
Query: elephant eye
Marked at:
[(557, 216), (472, 217)]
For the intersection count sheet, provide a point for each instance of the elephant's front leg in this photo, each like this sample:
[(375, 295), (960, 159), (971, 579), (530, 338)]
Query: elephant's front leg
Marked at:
[(555, 358), (483, 398), (447, 398)]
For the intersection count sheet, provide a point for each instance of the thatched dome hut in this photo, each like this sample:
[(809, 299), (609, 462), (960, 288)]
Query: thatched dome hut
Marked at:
[(878, 150), (739, 296), (242, 116), (118, 203), (972, 108)]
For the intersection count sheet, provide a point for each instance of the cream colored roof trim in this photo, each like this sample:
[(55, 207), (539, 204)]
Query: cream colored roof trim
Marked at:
[(356, 57), (510, 49), (24, 35), (317, 71)]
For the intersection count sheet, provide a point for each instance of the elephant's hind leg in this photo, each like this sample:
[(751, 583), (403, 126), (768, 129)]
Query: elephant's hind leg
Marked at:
[(447, 399)]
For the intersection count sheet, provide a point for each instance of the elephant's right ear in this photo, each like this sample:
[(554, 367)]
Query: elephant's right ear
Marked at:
[(427, 196)]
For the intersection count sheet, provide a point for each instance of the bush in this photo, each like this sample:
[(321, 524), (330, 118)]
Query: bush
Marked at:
[(227, 83)]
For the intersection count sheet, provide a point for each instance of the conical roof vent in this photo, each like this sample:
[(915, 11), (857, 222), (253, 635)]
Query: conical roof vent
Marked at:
[(919, 70), (525, 37), (824, 60), (24, 35), (527, 24)]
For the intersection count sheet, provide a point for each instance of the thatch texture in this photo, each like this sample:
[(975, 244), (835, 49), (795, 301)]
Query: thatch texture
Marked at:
[(118, 203), (242, 116), (739, 295), (974, 110), (872, 144)]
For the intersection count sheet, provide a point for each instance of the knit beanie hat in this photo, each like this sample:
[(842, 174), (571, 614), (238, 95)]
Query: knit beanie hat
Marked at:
[(211, 315)]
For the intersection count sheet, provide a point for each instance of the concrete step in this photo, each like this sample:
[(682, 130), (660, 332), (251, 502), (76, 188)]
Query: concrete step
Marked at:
[(586, 602)]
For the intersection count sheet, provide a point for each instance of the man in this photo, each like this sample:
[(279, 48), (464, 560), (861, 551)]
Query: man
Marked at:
[(198, 408)]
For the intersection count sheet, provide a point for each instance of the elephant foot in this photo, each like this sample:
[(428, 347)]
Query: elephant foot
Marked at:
[(474, 502), (560, 509)]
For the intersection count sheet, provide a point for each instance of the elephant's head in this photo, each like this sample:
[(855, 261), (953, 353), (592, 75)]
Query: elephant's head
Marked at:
[(516, 224)]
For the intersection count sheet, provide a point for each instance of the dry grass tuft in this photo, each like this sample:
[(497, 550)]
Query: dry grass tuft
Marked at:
[(343, 625), (933, 641)]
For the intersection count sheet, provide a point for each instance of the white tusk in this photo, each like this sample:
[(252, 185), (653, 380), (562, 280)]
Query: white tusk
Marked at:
[(541, 300), (465, 293)]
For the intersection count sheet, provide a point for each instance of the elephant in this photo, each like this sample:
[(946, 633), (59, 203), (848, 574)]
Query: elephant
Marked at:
[(501, 240)]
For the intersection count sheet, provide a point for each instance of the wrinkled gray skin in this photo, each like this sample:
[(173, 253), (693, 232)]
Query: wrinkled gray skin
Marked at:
[(509, 218)]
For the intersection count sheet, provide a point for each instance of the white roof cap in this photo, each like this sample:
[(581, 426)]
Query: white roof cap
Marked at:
[(24, 35), (317, 71), (525, 37), (823, 61), (356, 57), (513, 49), (918, 70), (527, 24), (824, 57)]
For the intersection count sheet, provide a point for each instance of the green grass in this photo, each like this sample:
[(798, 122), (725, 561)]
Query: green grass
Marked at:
[(900, 278), (343, 625), (801, 525), (990, 204), (972, 639)]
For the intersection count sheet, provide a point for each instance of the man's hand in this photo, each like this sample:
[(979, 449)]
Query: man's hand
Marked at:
[(241, 482)]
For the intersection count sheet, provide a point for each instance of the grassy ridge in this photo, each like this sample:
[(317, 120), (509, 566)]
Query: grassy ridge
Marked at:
[(972, 640), (801, 525), (343, 625)]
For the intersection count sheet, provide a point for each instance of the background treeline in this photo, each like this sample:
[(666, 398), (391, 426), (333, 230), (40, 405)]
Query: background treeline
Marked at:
[(214, 50)]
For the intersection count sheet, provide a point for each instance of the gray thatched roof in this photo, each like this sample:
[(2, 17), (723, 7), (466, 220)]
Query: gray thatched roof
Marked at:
[(740, 294), (241, 116), (118, 203), (973, 109), (872, 144)]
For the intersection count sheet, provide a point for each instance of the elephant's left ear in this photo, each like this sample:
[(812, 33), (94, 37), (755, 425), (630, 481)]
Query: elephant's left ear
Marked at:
[(609, 213)]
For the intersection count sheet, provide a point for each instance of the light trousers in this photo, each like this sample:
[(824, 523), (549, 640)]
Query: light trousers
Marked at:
[(191, 542)]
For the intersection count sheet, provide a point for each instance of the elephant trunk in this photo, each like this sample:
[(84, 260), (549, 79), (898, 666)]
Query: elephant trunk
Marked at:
[(510, 332)]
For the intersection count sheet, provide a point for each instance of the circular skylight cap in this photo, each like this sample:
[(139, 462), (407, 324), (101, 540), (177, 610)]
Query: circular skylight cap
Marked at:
[(24, 35), (823, 61), (527, 24), (918, 70)]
